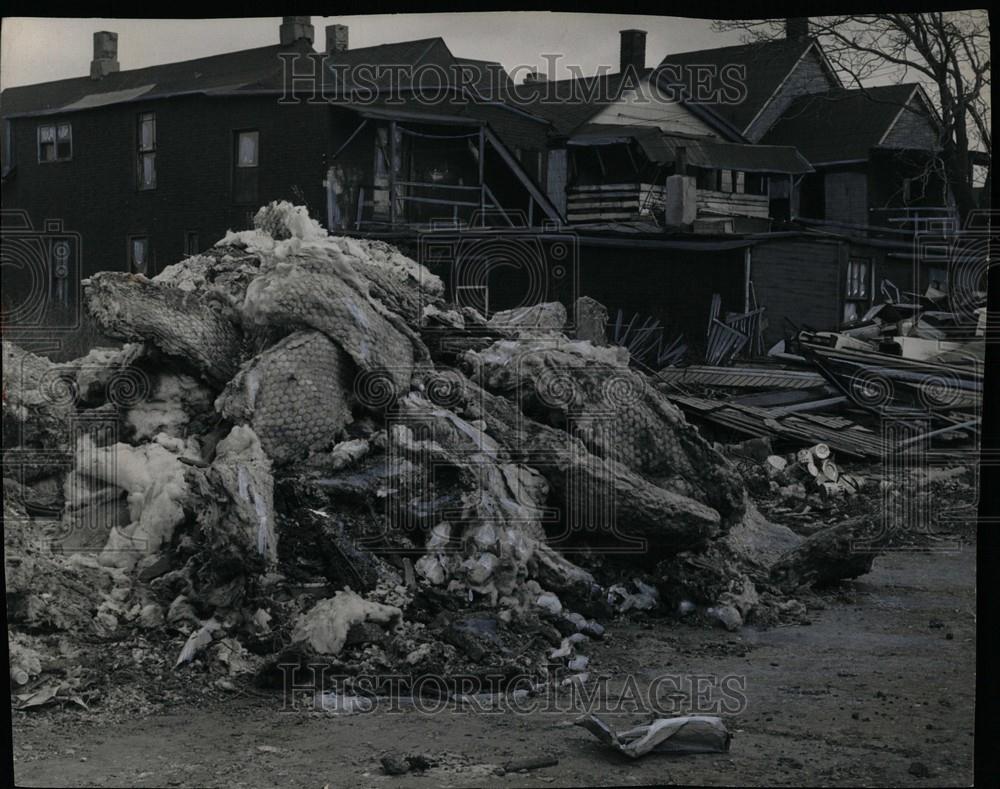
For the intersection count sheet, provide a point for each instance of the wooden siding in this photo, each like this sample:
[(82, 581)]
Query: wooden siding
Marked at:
[(611, 202), (194, 165), (912, 130), (649, 107), (799, 280), (602, 203), (733, 204), (846, 197)]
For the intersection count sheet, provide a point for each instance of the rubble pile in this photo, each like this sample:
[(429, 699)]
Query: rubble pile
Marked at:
[(284, 463)]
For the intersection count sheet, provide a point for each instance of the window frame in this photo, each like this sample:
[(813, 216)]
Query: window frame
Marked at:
[(243, 175), (55, 126), (188, 236), (142, 152), (862, 299), (130, 242)]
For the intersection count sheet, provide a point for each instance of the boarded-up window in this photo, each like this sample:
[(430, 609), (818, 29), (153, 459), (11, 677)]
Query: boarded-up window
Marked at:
[(146, 162), (247, 159), (55, 142)]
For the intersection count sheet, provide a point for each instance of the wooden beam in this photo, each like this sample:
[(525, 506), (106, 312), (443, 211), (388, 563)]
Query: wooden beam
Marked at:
[(542, 199), (392, 172), (350, 139)]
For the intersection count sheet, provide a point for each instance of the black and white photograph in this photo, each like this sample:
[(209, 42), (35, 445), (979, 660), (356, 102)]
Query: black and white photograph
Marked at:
[(420, 397)]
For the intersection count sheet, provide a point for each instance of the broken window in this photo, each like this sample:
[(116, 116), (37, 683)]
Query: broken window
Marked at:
[(138, 254), (55, 142), (146, 164), (755, 183), (937, 278), (247, 154), (858, 294), (192, 244), (707, 179)]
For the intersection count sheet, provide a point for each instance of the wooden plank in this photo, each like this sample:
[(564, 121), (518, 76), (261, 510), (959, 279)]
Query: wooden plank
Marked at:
[(601, 187), (587, 197), (601, 217), (597, 206)]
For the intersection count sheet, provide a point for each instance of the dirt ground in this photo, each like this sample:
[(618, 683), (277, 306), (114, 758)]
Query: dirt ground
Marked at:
[(879, 690)]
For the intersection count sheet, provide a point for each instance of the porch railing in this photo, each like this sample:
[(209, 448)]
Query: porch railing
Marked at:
[(423, 202)]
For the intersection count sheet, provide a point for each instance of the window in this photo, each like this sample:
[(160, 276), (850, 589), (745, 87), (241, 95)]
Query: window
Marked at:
[(146, 164), (247, 158), (756, 184), (55, 142), (707, 179), (138, 254), (192, 245), (858, 293), (937, 278)]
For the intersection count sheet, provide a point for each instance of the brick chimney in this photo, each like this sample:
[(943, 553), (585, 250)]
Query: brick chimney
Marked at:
[(294, 28), (336, 39), (633, 50), (797, 27), (105, 54)]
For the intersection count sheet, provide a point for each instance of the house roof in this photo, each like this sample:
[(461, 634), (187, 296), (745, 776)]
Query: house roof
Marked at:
[(262, 71), (252, 70), (230, 70), (841, 125), (569, 103), (767, 64)]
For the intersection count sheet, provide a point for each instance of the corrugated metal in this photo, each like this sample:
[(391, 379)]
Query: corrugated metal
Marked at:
[(742, 377)]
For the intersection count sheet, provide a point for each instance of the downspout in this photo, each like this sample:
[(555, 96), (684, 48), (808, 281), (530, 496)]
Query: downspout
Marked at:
[(793, 182)]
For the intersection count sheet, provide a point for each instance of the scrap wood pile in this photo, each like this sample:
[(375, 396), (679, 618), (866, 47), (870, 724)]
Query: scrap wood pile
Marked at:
[(921, 361), (835, 424), (275, 468)]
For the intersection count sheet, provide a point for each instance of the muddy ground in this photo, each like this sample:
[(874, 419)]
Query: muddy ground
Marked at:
[(879, 690)]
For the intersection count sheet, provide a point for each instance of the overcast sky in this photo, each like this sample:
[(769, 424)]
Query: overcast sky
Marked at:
[(38, 50)]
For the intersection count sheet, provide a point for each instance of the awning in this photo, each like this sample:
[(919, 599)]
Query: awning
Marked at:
[(413, 116), (748, 158), (699, 151)]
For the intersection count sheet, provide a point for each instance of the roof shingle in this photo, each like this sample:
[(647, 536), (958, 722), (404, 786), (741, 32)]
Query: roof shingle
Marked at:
[(839, 126), (767, 64)]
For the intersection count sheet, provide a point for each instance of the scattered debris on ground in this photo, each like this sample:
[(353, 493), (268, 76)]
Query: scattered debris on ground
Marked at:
[(680, 735), (302, 457)]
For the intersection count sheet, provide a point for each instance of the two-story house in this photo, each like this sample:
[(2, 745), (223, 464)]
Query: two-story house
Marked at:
[(152, 163)]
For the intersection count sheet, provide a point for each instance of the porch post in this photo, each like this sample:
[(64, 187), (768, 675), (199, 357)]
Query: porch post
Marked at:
[(392, 172), (482, 179)]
